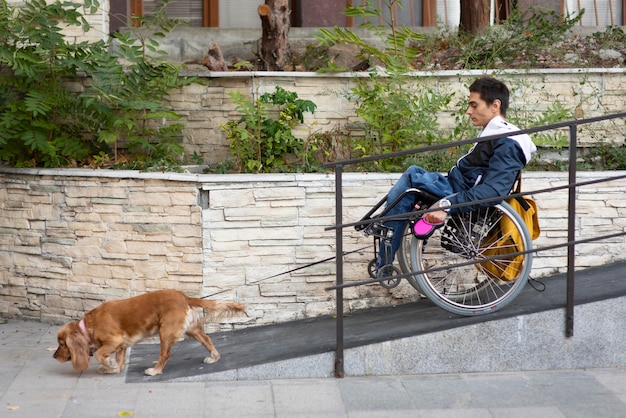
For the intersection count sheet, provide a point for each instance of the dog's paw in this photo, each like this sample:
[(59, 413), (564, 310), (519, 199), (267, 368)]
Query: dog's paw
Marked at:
[(152, 371), (211, 359), (108, 370), (111, 363)]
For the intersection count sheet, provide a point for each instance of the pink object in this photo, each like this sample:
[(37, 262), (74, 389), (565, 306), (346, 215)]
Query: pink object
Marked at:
[(423, 229)]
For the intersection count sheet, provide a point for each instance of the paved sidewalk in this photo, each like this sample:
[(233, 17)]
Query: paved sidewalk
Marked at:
[(33, 384)]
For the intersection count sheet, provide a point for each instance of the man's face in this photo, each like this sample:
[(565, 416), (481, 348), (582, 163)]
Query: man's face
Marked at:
[(479, 111)]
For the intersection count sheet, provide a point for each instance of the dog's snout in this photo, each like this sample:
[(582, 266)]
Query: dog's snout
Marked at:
[(61, 354)]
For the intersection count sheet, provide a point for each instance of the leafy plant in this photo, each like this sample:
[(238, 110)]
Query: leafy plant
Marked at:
[(326, 146), (397, 53), (261, 139), (45, 120), (604, 157), (613, 36), (395, 116), (523, 36)]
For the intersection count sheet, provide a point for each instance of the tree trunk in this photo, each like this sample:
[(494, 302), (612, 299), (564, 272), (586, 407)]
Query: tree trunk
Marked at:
[(474, 16), (275, 24)]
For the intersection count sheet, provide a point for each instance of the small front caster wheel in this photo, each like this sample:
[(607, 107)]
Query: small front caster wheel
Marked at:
[(387, 275)]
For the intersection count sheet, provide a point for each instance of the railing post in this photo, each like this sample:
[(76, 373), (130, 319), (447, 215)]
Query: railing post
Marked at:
[(571, 233), (339, 370)]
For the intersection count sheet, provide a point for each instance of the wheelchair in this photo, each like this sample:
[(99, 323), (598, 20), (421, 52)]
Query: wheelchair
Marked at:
[(469, 266)]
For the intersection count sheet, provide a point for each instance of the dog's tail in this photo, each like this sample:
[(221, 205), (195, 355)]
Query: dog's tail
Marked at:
[(217, 309)]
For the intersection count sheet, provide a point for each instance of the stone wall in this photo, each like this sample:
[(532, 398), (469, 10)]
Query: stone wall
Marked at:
[(535, 95), (98, 22), (588, 93), (70, 239), (70, 242)]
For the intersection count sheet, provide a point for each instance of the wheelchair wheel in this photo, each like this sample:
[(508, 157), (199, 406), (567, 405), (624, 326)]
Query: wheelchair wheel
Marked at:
[(482, 287)]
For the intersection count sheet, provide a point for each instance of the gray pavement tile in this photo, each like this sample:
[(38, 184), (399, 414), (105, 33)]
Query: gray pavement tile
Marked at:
[(455, 413), (411, 413), (238, 398), (7, 374), (311, 397), (312, 414), (591, 406), (577, 393), (49, 403), (614, 380), (14, 356), (33, 378), (35, 385), (184, 400), (43, 375), (469, 390), (21, 333), (42, 357), (91, 379), (109, 403), (372, 394), (540, 412)]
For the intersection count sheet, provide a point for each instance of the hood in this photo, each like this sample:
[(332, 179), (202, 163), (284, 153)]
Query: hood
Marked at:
[(498, 126)]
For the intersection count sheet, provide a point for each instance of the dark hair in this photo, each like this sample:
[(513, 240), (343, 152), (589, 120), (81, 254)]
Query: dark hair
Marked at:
[(491, 89)]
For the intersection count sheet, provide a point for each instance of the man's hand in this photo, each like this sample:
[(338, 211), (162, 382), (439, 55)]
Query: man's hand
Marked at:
[(436, 217)]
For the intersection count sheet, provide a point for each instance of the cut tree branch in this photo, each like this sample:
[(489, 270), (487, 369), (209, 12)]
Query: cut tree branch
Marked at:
[(275, 23)]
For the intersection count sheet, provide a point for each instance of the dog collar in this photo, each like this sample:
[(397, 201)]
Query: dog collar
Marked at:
[(83, 329)]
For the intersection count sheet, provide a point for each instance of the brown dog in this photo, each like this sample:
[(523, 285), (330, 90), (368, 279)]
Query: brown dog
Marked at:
[(110, 328)]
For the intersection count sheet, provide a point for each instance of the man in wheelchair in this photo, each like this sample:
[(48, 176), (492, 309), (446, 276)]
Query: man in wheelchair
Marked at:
[(488, 170)]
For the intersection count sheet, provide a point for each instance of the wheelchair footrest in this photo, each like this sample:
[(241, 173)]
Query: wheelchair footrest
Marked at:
[(379, 231)]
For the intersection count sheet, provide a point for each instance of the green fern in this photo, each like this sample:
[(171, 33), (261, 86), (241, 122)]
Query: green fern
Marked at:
[(44, 123)]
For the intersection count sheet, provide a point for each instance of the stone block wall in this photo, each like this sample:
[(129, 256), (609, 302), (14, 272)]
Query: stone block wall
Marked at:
[(98, 21), (589, 93), (70, 242), (70, 239)]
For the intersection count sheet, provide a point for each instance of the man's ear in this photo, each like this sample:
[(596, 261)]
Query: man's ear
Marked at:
[(496, 105)]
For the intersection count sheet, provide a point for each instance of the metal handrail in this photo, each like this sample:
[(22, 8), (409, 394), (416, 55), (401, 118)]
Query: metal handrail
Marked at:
[(571, 224)]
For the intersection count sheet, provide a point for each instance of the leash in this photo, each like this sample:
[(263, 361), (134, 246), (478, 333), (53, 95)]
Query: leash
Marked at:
[(291, 271)]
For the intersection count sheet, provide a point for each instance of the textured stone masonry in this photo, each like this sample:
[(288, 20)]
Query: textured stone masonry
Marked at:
[(204, 107), (70, 239), (588, 93)]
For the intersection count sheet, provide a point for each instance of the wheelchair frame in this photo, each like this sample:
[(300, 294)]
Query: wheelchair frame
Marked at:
[(479, 290)]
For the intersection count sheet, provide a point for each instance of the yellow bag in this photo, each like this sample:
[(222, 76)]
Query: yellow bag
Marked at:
[(527, 209), (505, 239)]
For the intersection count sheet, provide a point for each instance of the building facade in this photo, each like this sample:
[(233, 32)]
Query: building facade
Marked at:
[(242, 14)]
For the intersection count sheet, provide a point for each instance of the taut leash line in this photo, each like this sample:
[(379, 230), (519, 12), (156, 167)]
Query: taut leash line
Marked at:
[(291, 271)]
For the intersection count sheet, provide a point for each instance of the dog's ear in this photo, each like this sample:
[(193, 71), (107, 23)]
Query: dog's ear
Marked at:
[(79, 349)]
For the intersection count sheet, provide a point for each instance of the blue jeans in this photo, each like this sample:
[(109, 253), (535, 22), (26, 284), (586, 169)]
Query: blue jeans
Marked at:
[(413, 177)]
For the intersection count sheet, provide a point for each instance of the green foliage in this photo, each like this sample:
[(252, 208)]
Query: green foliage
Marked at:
[(555, 113), (612, 37), (314, 58), (397, 54), (261, 140), (522, 37), (395, 116), (440, 160), (47, 115), (604, 157)]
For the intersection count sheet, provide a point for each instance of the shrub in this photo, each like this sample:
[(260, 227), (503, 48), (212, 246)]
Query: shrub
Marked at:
[(46, 120), (394, 116), (261, 139)]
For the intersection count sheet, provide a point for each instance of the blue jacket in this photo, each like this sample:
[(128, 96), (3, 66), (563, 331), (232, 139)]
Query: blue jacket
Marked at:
[(491, 167)]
